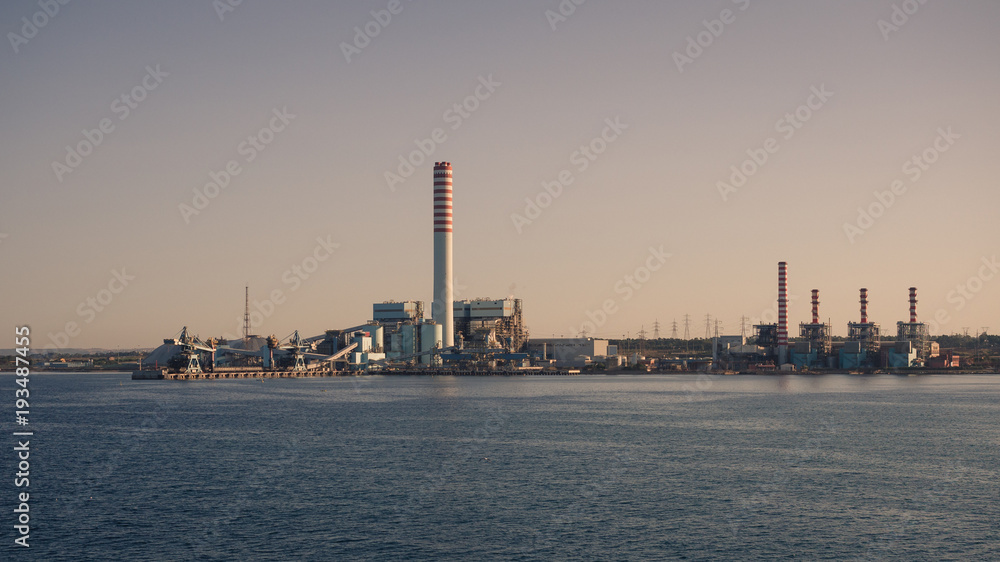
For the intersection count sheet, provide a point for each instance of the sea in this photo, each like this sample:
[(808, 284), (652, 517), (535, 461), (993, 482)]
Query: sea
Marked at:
[(592, 467)]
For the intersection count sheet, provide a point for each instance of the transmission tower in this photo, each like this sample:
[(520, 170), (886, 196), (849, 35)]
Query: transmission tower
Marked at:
[(673, 331), (246, 315), (656, 330), (743, 327), (687, 326), (708, 326)]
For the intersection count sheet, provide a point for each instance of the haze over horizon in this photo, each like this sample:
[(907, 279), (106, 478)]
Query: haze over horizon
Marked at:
[(703, 141)]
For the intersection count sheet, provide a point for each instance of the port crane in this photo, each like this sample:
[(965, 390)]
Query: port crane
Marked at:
[(191, 350), (300, 350)]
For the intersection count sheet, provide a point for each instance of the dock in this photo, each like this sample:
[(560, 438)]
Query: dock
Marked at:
[(163, 374)]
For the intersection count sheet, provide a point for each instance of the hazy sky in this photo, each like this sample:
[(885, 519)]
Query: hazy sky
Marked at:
[(641, 107)]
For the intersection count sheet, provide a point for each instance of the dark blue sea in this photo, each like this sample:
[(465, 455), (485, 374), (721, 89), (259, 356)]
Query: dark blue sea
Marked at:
[(680, 467)]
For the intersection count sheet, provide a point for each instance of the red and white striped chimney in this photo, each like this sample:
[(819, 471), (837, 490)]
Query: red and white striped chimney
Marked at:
[(782, 304), (913, 305), (815, 303), (864, 306), (442, 310)]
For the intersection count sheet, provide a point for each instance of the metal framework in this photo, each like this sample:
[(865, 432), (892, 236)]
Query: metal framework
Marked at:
[(766, 334), (507, 332), (867, 334)]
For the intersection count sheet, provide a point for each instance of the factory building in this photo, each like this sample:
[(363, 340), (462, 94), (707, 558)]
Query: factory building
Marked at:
[(814, 348), (815, 340), (863, 343), (392, 311), (915, 334), (490, 324), (568, 352)]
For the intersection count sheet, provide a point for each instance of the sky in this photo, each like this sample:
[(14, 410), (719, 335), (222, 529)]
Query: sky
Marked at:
[(616, 164)]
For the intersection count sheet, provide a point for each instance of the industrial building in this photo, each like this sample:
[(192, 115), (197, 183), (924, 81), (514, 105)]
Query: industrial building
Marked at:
[(814, 345), (489, 324), (486, 335), (569, 352), (863, 349)]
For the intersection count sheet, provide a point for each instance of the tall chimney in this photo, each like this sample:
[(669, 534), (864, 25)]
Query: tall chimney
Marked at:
[(782, 307), (442, 310), (864, 306), (815, 303), (913, 305)]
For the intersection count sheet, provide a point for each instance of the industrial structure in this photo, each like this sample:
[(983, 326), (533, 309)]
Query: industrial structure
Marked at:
[(489, 336), (815, 340), (469, 334), (782, 313), (863, 350), (914, 333), (863, 340), (443, 311)]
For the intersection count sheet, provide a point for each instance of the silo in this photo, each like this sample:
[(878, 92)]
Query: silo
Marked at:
[(430, 336)]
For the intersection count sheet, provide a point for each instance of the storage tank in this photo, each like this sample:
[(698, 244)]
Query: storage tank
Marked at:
[(431, 335), (410, 338)]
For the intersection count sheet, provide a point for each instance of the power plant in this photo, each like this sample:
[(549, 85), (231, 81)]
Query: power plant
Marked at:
[(471, 335), (862, 350), (488, 336)]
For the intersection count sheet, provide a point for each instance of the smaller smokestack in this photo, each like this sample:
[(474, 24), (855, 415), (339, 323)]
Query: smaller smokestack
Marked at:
[(815, 303), (864, 306), (782, 304), (913, 305)]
